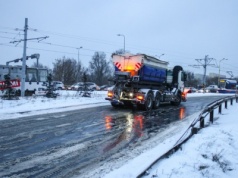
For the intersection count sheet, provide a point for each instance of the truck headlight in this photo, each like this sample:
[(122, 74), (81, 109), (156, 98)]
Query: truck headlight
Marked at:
[(131, 95)]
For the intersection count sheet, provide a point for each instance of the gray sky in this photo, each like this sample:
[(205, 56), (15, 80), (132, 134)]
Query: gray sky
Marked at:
[(183, 30)]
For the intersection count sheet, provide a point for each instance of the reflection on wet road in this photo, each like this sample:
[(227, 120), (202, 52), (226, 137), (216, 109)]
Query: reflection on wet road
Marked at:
[(72, 143), (138, 125)]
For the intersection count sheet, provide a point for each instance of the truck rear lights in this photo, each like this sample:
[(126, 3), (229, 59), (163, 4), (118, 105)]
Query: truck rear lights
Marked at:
[(184, 96), (140, 97), (110, 93)]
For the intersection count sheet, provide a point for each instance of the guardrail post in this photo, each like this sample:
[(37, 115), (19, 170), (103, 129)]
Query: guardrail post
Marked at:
[(202, 122), (219, 109), (226, 104), (194, 130), (231, 101), (211, 116)]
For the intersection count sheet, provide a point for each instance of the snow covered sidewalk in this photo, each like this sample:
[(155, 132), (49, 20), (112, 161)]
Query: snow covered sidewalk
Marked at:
[(210, 153), (66, 101)]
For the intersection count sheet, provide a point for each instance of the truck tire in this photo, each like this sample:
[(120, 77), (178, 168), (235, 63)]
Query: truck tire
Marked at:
[(156, 103), (178, 100), (149, 102)]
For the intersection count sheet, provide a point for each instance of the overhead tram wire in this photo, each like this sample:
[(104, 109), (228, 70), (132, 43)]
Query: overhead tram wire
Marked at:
[(6, 37), (184, 55), (57, 51), (9, 28), (6, 44), (110, 43), (64, 52), (102, 42), (10, 33), (98, 41), (72, 47), (232, 66), (77, 37)]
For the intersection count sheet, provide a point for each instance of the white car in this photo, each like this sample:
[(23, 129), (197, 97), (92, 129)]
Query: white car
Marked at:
[(41, 92), (92, 86), (80, 86), (212, 88), (58, 85)]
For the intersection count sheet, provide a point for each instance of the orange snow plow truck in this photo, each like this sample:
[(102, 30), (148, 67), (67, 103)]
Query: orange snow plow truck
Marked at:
[(145, 82)]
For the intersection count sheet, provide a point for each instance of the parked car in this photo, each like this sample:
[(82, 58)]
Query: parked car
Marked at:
[(104, 87), (58, 85), (76, 86), (40, 92), (92, 86), (211, 88), (80, 86), (191, 89)]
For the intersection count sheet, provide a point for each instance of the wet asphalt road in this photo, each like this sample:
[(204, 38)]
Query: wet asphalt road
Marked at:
[(70, 143)]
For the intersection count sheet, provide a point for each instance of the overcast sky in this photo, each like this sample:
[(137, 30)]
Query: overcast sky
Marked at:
[(182, 30)]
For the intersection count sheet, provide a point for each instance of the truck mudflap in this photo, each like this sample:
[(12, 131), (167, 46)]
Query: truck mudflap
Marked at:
[(114, 101)]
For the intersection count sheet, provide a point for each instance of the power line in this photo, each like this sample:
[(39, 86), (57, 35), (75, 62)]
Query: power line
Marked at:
[(72, 47), (6, 37), (55, 51), (10, 33), (170, 53), (204, 63)]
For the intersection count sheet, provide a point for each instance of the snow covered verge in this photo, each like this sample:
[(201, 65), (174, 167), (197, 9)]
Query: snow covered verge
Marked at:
[(210, 153), (66, 101)]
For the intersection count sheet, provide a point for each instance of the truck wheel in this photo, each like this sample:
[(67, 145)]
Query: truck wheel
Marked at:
[(149, 102), (177, 100), (157, 101)]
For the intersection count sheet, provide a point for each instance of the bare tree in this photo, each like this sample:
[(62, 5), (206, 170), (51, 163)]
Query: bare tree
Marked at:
[(39, 65), (121, 51), (99, 68), (191, 80), (66, 70)]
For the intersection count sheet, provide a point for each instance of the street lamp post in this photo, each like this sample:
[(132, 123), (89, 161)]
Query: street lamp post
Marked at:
[(218, 82), (78, 52), (160, 56), (78, 63), (124, 41)]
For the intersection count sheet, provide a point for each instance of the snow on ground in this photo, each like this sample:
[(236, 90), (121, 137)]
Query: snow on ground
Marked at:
[(210, 153), (66, 101)]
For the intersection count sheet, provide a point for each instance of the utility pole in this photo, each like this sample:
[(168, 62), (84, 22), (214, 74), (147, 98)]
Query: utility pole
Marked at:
[(218, 82), (204, 63), (23, 76)]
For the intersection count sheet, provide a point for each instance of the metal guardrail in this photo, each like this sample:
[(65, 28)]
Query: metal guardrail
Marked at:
[(209, 110)]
